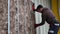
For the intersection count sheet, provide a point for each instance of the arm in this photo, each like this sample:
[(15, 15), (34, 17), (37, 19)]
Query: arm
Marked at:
[(42, 23)]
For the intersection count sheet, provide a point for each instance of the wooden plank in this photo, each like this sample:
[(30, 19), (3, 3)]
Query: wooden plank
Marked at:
[(3, 16), (26, 17)]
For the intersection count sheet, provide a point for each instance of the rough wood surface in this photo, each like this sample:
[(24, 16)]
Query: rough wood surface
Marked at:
[(3, 16), (26, 24), (26, 17)]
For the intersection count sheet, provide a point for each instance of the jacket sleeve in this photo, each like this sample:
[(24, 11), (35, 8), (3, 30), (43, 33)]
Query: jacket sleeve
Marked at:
[(42, 23), (43, 20)]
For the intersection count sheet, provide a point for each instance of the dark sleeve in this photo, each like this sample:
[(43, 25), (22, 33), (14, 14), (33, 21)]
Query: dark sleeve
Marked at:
[(42, 23), (43, 20)]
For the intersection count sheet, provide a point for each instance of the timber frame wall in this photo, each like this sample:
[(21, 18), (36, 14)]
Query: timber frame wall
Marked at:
[(3, 16), (26, 17)]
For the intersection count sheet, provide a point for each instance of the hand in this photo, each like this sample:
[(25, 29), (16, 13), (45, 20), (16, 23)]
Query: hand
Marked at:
[(36, 25)]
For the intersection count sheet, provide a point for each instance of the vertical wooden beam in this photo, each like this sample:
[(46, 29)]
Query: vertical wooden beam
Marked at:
[(12, 16), (26, 17), (26, 20), (3, 16)]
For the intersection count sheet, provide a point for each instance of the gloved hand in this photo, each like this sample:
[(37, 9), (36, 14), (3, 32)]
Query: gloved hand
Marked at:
[(36, 25), (33, 7)]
